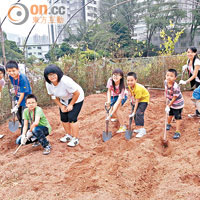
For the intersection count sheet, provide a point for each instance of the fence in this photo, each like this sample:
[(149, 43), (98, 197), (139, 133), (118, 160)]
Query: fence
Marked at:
[(93, 76)]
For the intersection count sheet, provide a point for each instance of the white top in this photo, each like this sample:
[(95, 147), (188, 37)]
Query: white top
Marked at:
[(65, 89), (191, 70)]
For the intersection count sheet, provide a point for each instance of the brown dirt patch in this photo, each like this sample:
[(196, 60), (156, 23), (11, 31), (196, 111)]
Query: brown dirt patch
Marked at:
[(116, 170)]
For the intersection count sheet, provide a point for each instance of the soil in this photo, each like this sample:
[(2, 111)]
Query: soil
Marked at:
[(138, 169)]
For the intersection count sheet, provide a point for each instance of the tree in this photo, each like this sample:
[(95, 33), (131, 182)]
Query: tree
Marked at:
[(195, 22), (11, 50)]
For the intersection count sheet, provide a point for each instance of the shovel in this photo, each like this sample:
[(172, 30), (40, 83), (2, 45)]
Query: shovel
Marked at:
[(107, 135), (129, 132), (13, 125)]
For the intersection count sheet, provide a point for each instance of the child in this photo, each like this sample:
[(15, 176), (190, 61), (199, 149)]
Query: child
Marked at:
[(116, 97), (2, 83), (21, 88), (175, 101), (69, 96), (39, 125), (141, 96)]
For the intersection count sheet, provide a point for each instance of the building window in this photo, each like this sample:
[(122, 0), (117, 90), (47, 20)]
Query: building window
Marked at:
[(29, 48), (95, 2), (39, 53), (39, 48), (30, 54)]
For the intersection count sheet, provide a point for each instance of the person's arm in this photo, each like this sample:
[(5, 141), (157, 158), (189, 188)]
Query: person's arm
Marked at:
[(172, 101), (61, 106), (21, 97), (76, 94), (108, 96), (25, 127), (116, 105), (196, 69), (35, 123)]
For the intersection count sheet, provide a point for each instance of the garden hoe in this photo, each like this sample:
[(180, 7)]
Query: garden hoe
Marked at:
[(164, 141), (107, 135), (17, 149), (13, 124)]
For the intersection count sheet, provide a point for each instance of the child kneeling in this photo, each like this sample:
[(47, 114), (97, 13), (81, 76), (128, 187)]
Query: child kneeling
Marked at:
[(39, 125)]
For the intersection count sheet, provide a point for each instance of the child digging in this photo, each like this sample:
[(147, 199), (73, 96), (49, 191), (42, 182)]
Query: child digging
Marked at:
[(141, 96), (175, 101)]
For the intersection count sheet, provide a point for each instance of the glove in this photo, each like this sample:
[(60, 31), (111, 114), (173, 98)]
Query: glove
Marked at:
[(29, 134), (132, 115), (12, 91), (184, 68), (108, 118), (182, 82), (15, 109), (167, 109), (23, 139)]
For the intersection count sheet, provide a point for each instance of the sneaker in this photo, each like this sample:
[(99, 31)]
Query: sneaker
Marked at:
[(113, 119), (66, 138), (47, 150), (141, 133), (74, 141), (176, 135), (136, 130), (122, 129), (35, 144), (193, 116), (168, 127), (1, 136)]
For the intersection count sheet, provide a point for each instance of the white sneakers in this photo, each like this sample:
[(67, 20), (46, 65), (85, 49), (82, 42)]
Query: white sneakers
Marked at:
[(122, 129), (140, 132), (66, 138), (1, 136), (72, 141)]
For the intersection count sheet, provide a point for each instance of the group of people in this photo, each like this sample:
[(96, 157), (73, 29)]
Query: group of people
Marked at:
[(65, 92), (69, 97)]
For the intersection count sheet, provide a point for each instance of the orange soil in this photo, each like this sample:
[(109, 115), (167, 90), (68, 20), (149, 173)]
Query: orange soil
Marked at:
[(138, 169)]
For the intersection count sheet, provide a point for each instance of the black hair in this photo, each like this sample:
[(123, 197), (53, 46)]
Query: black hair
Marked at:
[(31, 96), (194, 50), (121, 84), (173, 71), (2, 70), (12, 64), (132, 74), (52, 69)]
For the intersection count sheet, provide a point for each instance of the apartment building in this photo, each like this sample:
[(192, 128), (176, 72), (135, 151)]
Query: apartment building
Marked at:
[(77, 13)]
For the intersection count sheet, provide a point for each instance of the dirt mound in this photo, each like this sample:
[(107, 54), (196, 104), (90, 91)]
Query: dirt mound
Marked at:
[(116, 170)]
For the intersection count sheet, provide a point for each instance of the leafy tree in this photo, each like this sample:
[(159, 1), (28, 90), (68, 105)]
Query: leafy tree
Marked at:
[(12, 52)]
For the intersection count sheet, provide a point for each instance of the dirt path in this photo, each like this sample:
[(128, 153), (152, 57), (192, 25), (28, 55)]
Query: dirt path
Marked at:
[(139, 169)]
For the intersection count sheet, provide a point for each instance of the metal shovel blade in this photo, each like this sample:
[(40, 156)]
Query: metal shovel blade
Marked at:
[(106, 136), (13, 126), (128, 134)]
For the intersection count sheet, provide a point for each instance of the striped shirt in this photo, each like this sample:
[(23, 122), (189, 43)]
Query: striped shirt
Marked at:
[(174, 91)]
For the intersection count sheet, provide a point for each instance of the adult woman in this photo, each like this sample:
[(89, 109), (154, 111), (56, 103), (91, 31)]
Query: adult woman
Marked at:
[(69, 96), (193, 69)]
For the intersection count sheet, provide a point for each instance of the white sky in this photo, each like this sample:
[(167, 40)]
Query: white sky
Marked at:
[(22, 30)]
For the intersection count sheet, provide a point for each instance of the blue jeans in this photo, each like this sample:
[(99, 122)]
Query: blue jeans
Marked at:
[(40, 133), (115, 98)]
